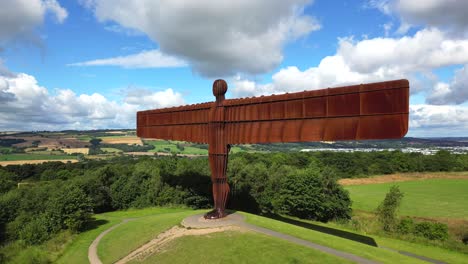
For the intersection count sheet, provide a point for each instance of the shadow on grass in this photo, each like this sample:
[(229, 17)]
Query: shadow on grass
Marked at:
[(94, 223), (327, 230)]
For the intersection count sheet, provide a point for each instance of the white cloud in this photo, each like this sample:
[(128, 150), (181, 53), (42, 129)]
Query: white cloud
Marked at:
[(455, 92), (426, 50), (148, 99), (368, 60), (437, 120), (444, 14), (217, 38), (19, 18), (25, 105), (144, 59)]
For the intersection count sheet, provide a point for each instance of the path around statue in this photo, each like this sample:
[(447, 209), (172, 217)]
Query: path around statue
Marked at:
[(197, 225)]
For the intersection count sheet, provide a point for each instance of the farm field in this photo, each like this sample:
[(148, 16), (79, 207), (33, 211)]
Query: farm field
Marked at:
[(111, 150), (121, 140), (171, 147), (21, 162), (440, 198), (84, 151), (18, 157)]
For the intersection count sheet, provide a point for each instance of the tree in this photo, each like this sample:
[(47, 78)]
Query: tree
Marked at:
[(314, 195), (70, 208), (387, 210)]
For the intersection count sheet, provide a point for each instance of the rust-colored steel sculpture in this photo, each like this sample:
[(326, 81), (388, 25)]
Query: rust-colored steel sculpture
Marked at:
[(357, 112)]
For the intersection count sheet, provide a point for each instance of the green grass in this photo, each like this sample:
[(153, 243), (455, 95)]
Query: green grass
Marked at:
[(9, 149), (129, 236), (112, 150), (429, 251), (84, 138), (14, 157), (170, 146), (77, 251), (445, 198), (369, 252), (238, 247)]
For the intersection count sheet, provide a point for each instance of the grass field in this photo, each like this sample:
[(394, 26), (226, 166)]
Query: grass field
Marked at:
[(369, 252), (5, 149), (170, 146), (77, 251), (237, 247), (429, 251), (84, 151), (443, 198), (121, 140), (128, 237), (17, 157), (112, 150)]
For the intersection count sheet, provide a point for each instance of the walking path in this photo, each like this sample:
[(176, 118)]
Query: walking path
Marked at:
[(197, 225), (92, 250)]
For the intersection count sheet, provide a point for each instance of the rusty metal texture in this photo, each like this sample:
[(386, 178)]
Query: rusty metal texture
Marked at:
[(357, 112)]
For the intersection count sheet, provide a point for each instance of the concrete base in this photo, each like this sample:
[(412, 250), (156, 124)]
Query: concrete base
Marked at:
[(198, 221)]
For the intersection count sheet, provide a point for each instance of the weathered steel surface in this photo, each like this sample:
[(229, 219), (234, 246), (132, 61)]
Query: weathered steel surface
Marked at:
[(357, 112)]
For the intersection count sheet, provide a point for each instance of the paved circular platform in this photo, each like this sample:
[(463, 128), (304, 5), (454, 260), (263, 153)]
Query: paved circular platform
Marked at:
[(198, 221)]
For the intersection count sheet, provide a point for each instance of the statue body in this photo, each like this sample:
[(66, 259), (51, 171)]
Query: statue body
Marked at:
[(358, 112)]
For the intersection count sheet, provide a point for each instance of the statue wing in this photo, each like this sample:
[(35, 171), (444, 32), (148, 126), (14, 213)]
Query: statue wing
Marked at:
[(366, 111), (184, 123)]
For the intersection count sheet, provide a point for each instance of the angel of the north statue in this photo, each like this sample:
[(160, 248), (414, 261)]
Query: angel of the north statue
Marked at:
[(357, 112)]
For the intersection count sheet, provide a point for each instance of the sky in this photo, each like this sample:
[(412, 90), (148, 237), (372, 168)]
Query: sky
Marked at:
[(92, 64)]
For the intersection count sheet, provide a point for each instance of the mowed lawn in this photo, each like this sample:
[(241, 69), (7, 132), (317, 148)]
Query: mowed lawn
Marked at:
[(237, 247), (445, 198), (77, 250)]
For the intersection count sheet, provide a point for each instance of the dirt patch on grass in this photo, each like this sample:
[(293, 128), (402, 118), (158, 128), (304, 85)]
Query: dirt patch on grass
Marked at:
[(399, 177), (157, 245), (21, 162)]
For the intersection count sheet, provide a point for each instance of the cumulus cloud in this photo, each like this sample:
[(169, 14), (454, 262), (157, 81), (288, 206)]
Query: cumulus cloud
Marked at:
[(434, 120), (455, 92), (426, 50), (217, 38), (25, 105), (144, 59), (368, 60), (19, 18), (444, 14)]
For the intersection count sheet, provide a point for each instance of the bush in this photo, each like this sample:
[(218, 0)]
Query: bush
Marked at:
[(312, 195), (465, 239), (406, 226), (386, 212), (432, 231)]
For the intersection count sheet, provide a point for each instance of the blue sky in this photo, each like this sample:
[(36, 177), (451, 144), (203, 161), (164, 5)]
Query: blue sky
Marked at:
[(91, 64)]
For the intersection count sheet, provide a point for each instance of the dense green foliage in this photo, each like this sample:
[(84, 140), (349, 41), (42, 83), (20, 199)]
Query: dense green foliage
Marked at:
[(387, 210), (429, 230), (8, 142)]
